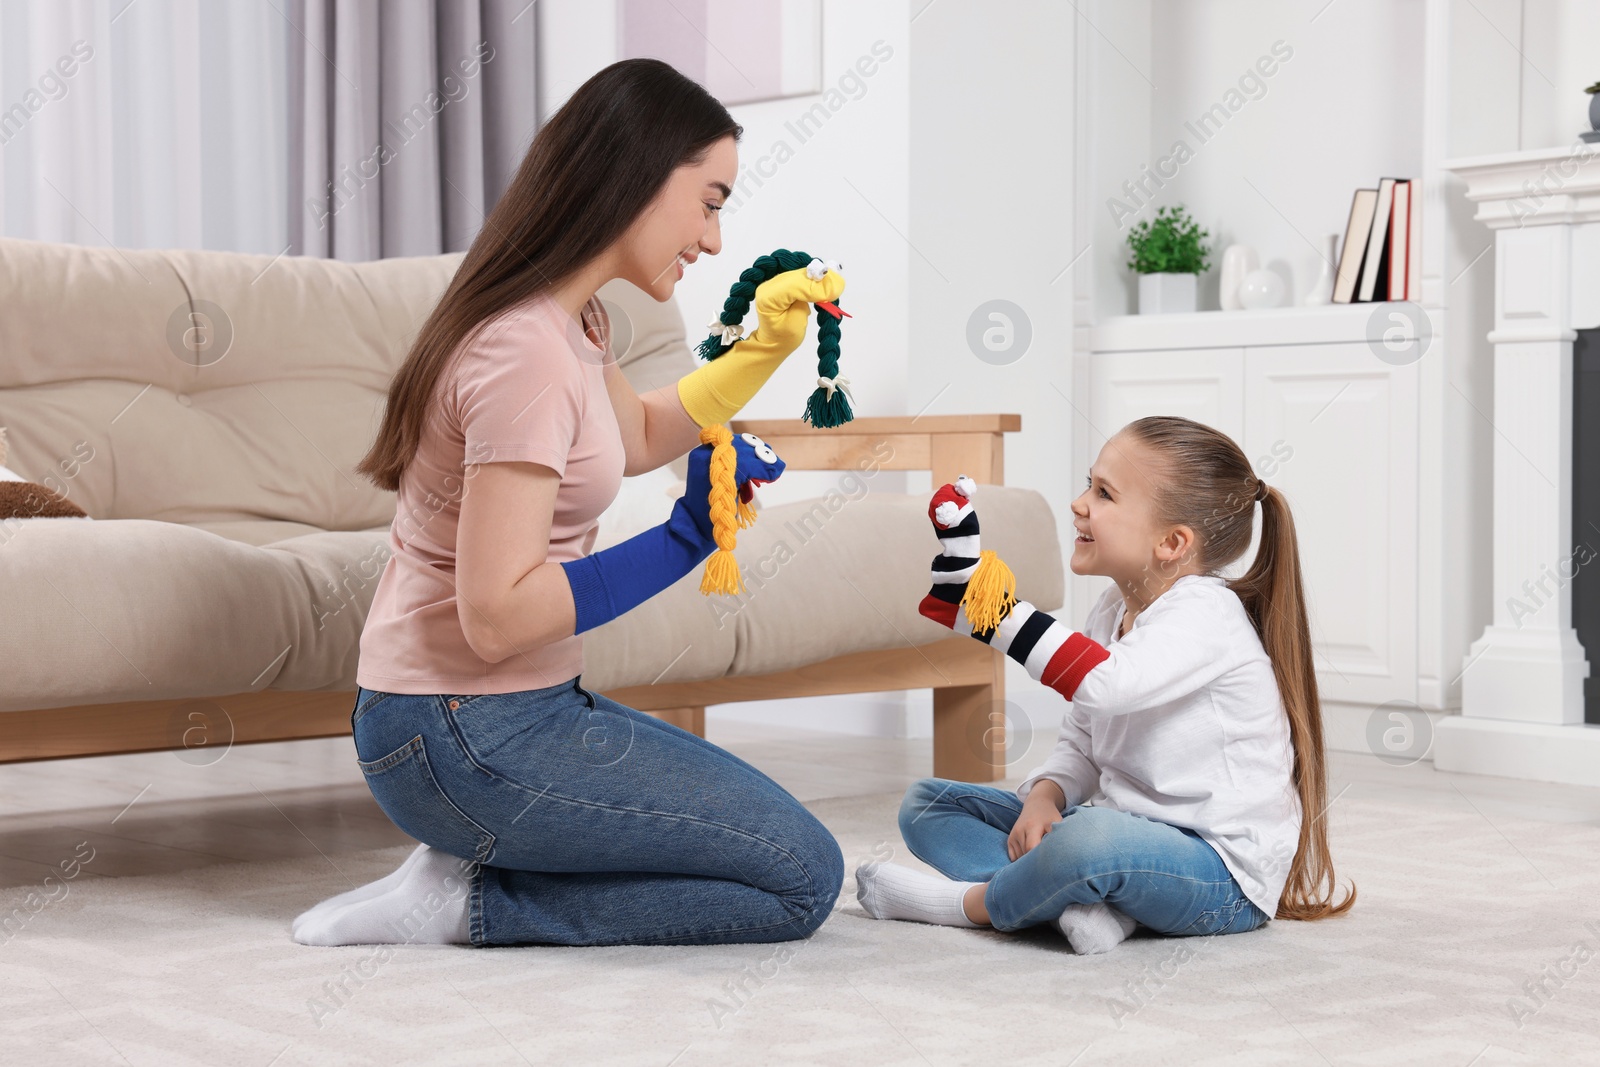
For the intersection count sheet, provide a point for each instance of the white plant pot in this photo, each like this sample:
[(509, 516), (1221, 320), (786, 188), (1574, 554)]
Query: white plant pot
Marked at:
[(1166, 293)]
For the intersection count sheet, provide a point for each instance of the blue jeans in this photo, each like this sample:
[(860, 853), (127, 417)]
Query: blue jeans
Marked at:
[(594, 824), (1166, 877)]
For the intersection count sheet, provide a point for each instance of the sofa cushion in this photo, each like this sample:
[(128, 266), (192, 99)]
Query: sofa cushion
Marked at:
[(823, 578), (107, 406), (135, 609)]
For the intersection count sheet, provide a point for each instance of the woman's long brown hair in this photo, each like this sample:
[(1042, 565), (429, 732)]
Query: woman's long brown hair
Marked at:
[(589, 173), (1210, 487)]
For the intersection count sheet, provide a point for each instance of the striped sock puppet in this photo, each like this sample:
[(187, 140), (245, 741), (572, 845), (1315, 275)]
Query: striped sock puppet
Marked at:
[(973, 589)]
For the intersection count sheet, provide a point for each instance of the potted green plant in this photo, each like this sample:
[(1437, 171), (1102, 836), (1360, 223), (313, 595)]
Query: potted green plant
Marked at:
[(1168, 251)]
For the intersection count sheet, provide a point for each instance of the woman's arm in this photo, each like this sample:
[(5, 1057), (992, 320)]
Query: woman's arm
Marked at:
[(655, 427), (509, 597)]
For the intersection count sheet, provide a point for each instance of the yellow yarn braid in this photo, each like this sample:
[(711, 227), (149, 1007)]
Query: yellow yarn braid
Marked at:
[(991, 592), (727, 515)]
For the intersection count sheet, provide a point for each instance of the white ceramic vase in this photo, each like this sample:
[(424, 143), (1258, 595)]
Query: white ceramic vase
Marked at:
[(1321, 291), (1237, 261), (1261, 289), (1166, 293)]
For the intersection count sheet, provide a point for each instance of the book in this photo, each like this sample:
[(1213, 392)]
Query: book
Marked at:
[(1399, 247), (1362, 207), (1375, 265)]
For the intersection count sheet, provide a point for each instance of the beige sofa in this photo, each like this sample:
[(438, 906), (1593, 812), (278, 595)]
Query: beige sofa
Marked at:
[(206, 410)]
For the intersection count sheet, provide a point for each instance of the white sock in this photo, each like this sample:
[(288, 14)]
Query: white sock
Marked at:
[(1096, 927), (428, 907), (889, 891), (365, 892)]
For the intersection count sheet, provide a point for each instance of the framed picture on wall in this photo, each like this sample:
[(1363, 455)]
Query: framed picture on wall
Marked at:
[(740, 50)]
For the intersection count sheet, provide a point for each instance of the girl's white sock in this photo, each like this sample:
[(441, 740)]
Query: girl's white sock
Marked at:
[(1096, 927), (365, 892), (889, 891), (428, 906)]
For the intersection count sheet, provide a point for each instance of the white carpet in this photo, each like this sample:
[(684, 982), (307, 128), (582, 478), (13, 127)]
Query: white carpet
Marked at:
[(1459, 921)]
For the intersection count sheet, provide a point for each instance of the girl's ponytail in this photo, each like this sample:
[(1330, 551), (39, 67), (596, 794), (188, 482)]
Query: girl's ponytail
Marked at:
[(1210, 487), (1272, 593)]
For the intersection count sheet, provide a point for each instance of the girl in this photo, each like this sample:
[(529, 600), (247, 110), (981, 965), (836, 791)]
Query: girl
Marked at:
[(548, 813), (1194, 721)]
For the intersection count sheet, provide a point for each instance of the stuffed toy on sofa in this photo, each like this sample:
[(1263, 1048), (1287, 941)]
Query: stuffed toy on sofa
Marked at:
[(22, 499)]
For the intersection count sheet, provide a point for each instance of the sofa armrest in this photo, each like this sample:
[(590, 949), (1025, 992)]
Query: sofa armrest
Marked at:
[(946, 445)]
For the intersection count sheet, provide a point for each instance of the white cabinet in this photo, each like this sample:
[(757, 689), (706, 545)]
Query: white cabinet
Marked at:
[(1326, 422), (1204, 384)]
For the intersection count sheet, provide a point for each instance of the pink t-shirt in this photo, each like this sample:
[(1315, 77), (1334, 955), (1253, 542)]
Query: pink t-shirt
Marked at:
[(531, 387)]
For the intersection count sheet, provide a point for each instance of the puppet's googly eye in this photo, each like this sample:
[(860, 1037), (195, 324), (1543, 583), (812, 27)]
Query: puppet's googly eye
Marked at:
[(763, 450)]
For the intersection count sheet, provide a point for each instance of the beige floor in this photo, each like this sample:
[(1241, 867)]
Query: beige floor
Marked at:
[(178, 951)]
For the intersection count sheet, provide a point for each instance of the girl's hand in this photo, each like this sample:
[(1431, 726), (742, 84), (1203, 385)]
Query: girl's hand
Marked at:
[(955, 523), (1039, 816), (783, 306)]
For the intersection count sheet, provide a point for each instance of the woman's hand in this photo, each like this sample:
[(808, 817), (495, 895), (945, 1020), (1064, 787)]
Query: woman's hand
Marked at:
[(783, 306), (755, 464), (714, 392), (1039, 814)]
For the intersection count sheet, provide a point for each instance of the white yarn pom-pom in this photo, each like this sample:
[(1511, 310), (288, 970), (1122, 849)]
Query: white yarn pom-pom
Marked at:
[(966, 486)]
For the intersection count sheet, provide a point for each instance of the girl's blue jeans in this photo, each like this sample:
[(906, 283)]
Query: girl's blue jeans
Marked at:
[(594, 824), (1166, 877)]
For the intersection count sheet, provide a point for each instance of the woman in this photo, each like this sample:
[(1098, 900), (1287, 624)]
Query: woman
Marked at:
[(550, 814)]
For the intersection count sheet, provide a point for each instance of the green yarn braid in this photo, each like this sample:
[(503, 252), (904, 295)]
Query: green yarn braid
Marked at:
[(820, 410)]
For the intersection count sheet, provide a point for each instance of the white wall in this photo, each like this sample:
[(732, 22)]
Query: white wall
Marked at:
[(992, 188), (1115, 121), (834, 182), (1347, 107), (1342, 110), (840, 192)]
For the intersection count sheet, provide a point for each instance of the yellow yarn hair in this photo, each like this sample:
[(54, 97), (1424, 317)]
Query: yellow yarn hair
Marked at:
[(728, 514), (991, 592)]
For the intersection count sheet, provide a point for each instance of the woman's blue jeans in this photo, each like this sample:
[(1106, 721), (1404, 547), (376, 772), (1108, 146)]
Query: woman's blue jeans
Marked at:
[(594, 824), (1165, 877)]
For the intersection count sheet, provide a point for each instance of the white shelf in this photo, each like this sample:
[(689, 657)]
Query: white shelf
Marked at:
[(1233, 329)]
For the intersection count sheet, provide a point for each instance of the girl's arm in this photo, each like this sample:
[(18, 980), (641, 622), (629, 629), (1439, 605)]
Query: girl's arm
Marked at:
[(1169, 655), (1068, 766)]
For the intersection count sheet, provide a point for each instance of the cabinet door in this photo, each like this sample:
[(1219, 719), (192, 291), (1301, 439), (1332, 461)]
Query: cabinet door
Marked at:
[(1203, 384), (1342, 425)]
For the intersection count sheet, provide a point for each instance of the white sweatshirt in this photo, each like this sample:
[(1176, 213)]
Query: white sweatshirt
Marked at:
[(1181, 721)]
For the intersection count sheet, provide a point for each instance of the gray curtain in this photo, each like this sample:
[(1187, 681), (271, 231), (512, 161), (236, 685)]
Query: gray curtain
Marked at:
[(407, 118)]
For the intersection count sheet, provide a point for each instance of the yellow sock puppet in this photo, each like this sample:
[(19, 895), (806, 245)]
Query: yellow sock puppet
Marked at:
[(782, 286)]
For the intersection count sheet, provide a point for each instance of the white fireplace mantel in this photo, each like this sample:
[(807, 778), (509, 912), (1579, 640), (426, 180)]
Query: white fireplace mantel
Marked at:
[(1522, 686)]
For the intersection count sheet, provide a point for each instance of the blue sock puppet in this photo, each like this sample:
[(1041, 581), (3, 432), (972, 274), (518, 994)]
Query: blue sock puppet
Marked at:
[(618, 579)]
